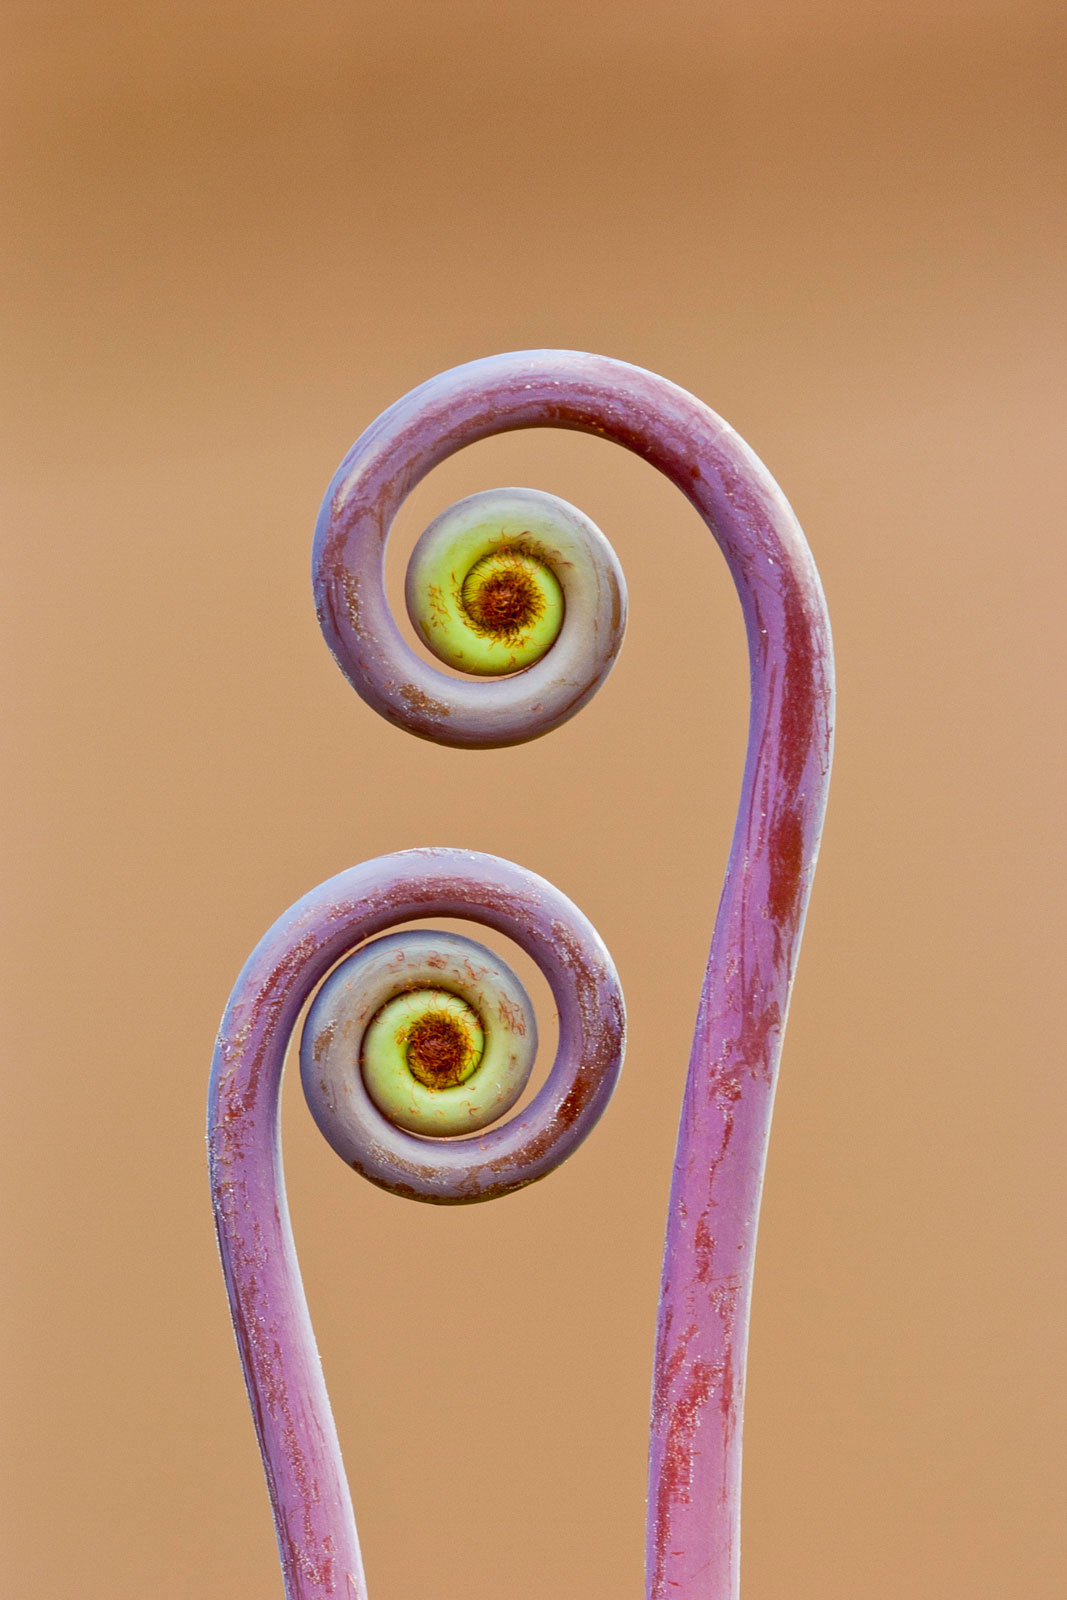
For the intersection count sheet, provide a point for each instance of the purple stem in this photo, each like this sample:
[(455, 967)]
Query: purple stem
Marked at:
[(297, 1438), (695, 1453)]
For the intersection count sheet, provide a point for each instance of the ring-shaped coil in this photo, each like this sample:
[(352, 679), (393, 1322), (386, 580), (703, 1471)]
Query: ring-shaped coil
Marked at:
[(349, 577), (333, 920), (349, 1103), (558, 536)]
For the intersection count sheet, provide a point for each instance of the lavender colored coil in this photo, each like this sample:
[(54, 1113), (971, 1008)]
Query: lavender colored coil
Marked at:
[(695, 1455)]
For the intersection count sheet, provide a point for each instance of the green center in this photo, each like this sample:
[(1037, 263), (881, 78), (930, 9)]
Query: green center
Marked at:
[(488, 602), (431, 1034)]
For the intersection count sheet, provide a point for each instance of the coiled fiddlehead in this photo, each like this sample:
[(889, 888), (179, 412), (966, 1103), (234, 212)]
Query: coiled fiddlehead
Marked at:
[(495, 594)]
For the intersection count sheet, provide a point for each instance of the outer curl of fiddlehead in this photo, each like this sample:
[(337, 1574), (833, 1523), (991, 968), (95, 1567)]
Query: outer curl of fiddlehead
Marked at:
[(444, 1035), (511, 584), (481, 592)]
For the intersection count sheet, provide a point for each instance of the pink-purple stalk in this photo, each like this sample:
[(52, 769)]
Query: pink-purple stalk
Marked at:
[(695, 1456)]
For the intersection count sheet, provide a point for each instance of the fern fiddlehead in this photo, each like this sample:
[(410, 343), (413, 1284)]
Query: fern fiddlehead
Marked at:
[(521, 591)]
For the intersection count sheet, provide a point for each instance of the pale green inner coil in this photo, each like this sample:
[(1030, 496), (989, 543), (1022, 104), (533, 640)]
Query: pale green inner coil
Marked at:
[(490, 604)]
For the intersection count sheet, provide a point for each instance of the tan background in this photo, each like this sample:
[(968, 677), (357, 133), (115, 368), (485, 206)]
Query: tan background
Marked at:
[(235, 232)]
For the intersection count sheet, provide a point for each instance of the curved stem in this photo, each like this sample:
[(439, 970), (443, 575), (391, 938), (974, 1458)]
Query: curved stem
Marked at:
[(695, 1454), (695, 1457), (298, 1441)]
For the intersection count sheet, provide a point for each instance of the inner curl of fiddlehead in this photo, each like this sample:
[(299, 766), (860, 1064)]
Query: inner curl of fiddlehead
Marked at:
[(509, 593), (512, 585), (433, 1029), (483, 590), (439, 1038)]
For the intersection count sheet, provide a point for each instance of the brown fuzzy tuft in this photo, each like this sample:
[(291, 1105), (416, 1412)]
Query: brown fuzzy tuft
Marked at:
[(438, 1051), (506, 603)]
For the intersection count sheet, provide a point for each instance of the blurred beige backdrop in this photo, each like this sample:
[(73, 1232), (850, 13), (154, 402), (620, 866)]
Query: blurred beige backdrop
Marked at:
[(234, 234)]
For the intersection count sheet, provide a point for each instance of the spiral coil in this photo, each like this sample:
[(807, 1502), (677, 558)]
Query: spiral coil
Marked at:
[(455, 883), (418, 1044)]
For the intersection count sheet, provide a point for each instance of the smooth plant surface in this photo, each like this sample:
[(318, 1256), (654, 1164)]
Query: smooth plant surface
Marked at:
[(403, 1029), (442, 1030)]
